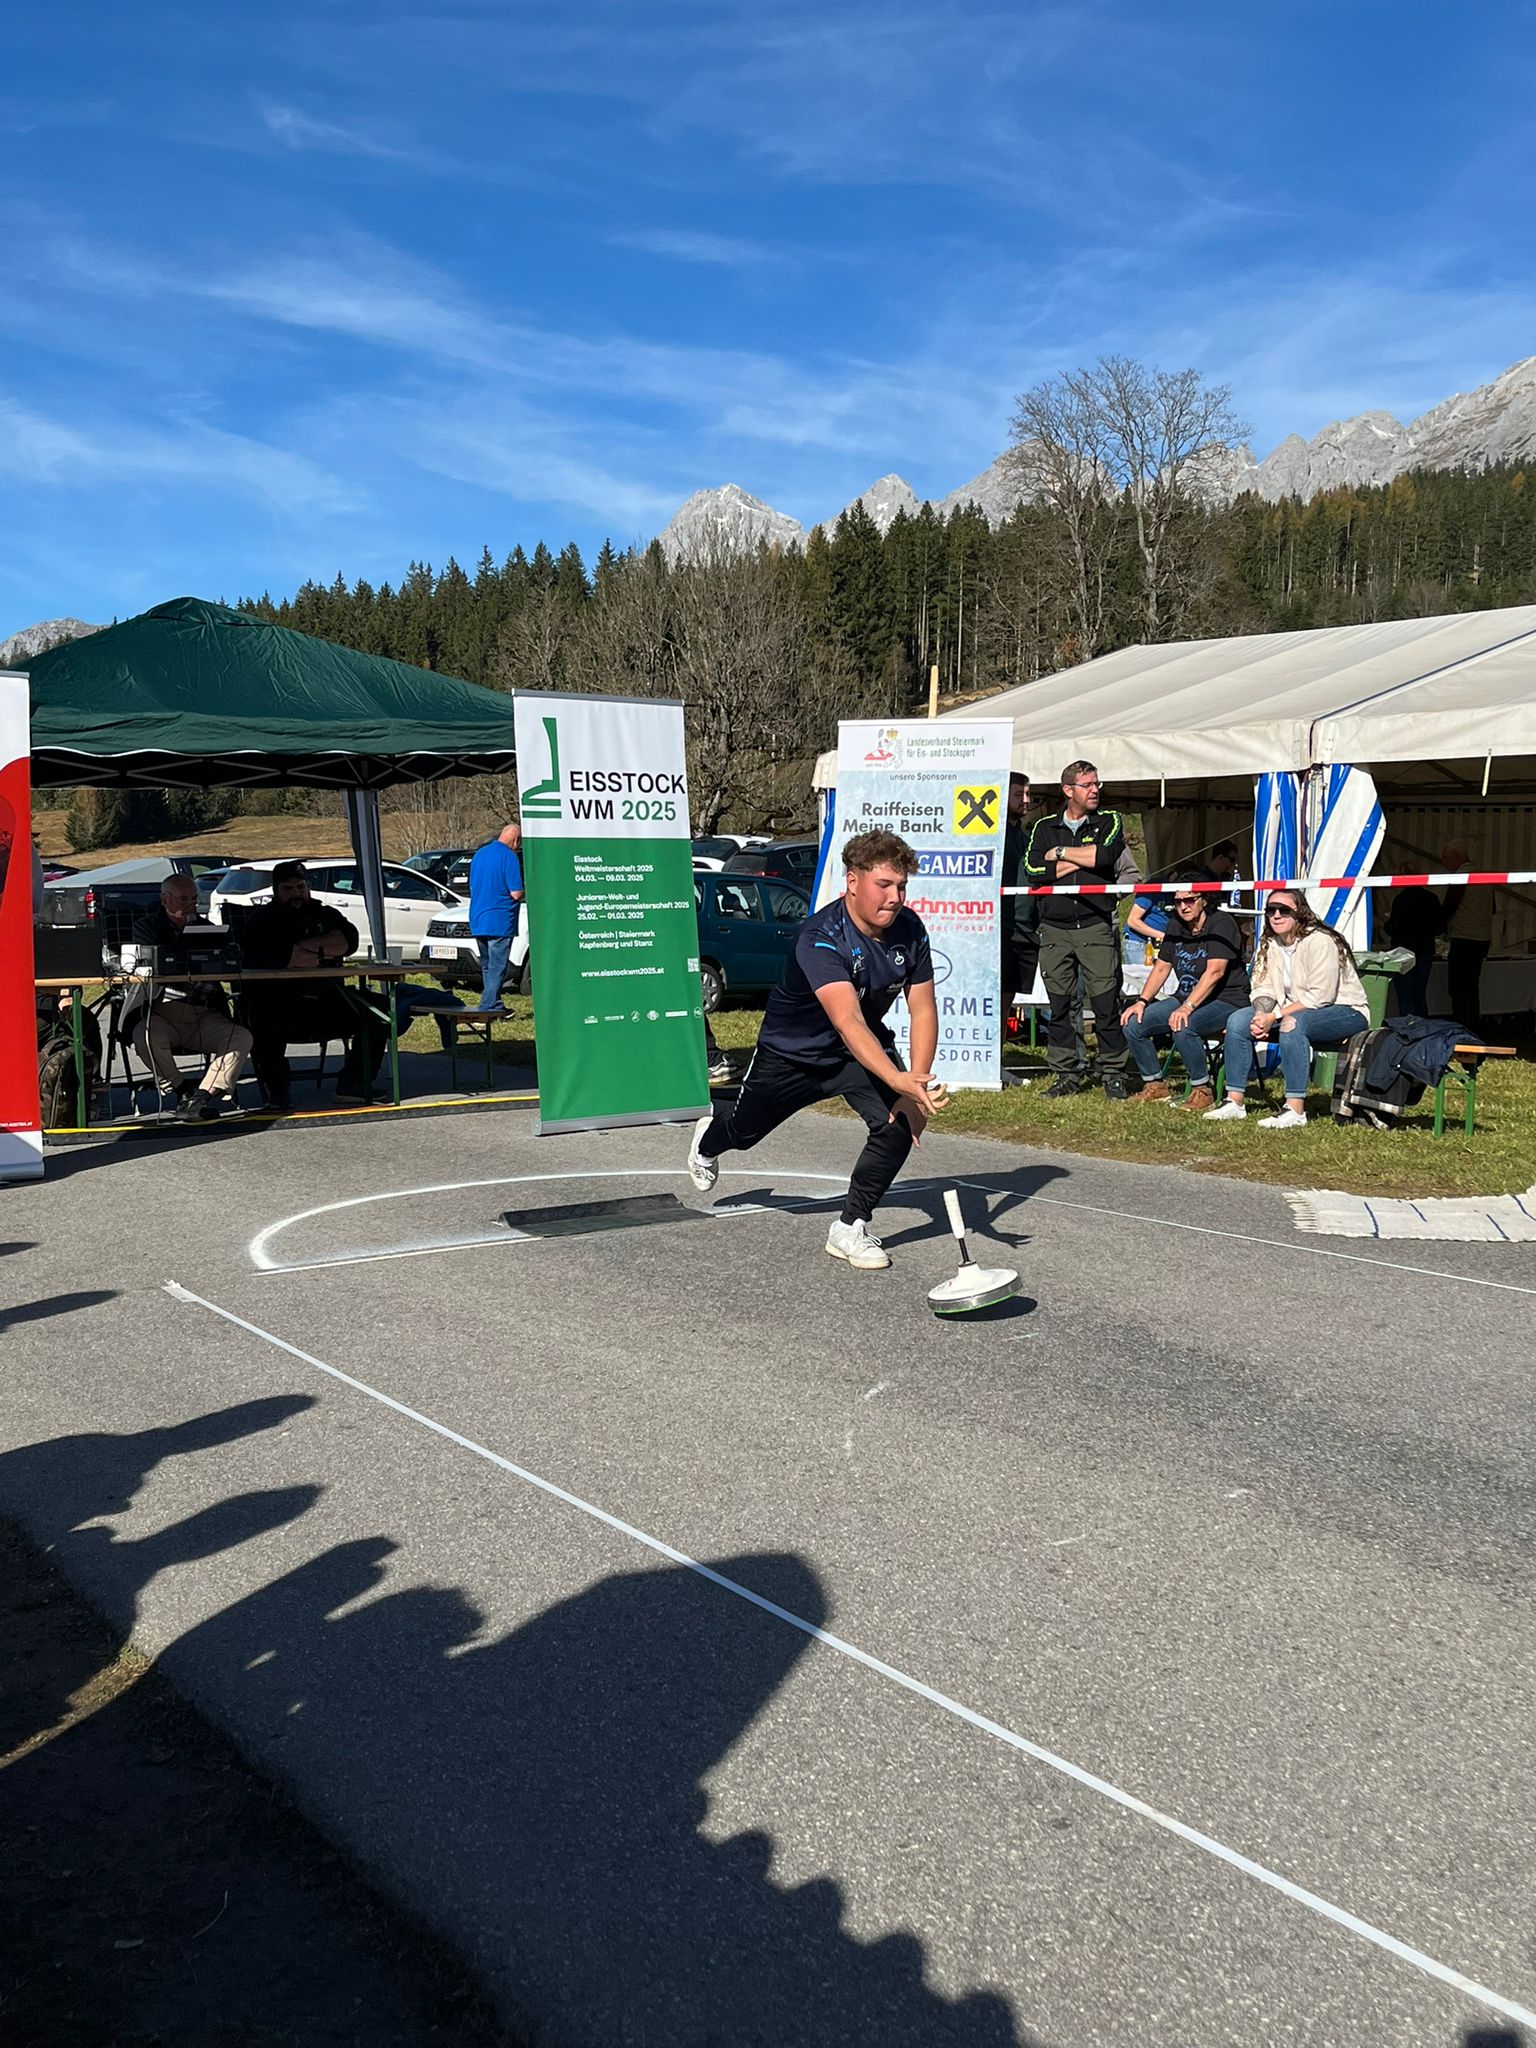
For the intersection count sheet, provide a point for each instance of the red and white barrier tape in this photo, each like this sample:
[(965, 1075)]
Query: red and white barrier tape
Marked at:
[(1515, 876)]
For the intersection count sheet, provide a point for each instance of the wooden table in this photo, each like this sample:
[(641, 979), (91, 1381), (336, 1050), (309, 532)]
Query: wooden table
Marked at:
[(75, 986)]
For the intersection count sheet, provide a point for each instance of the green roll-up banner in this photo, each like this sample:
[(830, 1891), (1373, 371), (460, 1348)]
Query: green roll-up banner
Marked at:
[(614, 937)]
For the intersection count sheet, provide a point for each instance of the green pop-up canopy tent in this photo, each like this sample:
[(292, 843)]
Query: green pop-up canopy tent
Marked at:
[(193, 695)]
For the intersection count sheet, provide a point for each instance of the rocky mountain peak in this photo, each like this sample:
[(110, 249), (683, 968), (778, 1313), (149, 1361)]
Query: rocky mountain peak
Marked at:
[(22, 647)]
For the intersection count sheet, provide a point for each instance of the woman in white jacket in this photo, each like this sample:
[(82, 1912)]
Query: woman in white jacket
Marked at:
[(1307, 990)]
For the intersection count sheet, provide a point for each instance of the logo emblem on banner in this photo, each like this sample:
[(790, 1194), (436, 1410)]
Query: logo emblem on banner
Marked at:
[(976, 809), (542, 799)]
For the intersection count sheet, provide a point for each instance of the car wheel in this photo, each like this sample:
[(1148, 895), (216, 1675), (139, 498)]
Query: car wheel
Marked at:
[(712, 981), (525, 978)]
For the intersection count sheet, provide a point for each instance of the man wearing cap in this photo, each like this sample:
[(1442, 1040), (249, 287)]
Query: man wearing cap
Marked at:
[(291, 933)]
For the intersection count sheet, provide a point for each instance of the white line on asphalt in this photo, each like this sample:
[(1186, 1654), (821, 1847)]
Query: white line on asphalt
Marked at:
[(261, 1259), (1278, 1244), (1298, 1894)]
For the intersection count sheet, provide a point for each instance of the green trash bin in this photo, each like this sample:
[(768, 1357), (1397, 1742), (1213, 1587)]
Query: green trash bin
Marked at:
[(1377, 973)]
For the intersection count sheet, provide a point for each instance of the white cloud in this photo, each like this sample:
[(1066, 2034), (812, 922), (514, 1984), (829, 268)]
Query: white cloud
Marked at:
[(687, 245), (297, 130), (45, 452)]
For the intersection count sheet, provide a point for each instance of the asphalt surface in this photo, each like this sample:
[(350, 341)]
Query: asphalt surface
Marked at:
[(1238, 1526)]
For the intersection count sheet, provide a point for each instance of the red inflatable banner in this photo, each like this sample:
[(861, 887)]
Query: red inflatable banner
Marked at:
[(21, 1144)]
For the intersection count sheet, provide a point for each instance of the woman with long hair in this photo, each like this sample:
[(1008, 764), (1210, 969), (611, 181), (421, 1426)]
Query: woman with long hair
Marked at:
[(1307, 990)]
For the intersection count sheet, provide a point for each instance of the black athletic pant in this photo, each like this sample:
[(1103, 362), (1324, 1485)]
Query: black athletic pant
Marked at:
[(776, 1087), (279, 1017)]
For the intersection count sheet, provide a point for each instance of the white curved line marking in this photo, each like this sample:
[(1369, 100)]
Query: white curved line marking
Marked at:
[(1300, 1896), (258, 1244)]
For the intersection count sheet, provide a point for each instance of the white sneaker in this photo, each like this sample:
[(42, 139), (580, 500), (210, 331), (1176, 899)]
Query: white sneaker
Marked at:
[(856, 1243), (1225, 1113), (1287, 1119), (701, 1171)]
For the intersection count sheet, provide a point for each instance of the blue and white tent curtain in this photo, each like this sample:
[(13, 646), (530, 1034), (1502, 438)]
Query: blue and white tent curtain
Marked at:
[(1344, 830), (1276, 827), (825, 886)]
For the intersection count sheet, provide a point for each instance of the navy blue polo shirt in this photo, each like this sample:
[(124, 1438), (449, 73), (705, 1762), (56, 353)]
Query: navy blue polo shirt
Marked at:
[(829, 947)]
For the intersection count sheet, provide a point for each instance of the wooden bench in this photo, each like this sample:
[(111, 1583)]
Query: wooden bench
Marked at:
[(472, 1025), (1464, 1068)]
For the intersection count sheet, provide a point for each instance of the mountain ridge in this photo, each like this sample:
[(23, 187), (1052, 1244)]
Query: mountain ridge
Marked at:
[(1495, 422)]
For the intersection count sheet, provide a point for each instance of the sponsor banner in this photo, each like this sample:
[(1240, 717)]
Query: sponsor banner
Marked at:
[(943, 787), (21, 1141), (607, 855)]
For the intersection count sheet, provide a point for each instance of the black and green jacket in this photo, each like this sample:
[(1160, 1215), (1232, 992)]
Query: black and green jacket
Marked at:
[(1113, 862)]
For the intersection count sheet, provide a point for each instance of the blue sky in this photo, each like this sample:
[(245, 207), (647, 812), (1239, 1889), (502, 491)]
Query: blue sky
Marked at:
[(306, 288)]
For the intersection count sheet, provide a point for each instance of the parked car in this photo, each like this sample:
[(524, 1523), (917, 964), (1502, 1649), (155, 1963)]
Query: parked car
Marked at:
[(446, 864), (711, 855), (747, 925), (111, 897), (411, 900), (792, 859)]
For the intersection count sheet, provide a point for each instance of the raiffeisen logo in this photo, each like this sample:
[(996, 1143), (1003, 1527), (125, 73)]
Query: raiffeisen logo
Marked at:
[(886, 750), (542, 800)]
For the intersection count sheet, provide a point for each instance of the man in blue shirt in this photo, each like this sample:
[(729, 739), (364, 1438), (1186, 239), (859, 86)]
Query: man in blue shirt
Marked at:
[(824, 1034), (495, 899)]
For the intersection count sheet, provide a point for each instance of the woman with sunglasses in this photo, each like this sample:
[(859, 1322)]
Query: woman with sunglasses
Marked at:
[(1305, 989)]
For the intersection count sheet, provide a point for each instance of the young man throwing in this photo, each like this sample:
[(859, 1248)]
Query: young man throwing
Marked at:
[(824, 1034)]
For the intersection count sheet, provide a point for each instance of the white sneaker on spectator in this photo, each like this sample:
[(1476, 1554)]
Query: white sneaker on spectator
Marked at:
[(1287, 1119), (1227, 1113), (701, 1171), (856, 1243)]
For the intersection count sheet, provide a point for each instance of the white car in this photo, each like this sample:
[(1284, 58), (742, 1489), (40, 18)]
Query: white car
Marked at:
[(454, 957), (412, 903)]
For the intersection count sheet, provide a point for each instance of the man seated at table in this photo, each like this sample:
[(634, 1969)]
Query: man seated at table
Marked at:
[(192, 1016), (291, 933), (1200, 965)]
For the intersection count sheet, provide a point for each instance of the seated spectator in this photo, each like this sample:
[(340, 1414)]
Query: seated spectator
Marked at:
[(1307, 991), (1220, 863), (290, 933), (1201, 960), (163, 1021)]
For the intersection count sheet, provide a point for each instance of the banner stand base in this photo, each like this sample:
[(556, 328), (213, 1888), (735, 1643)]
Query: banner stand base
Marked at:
[(560, 1125)]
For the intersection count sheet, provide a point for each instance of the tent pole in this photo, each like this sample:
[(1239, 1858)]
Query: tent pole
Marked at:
[(367, 845)]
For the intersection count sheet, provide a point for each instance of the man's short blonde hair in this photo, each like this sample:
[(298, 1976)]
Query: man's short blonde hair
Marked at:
[(867, 850)]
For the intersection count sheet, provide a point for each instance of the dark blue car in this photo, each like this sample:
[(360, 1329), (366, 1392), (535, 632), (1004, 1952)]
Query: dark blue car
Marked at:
[(747, 924)]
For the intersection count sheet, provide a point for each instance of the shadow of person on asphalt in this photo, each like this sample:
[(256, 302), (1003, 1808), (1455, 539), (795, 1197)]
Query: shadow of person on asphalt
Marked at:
[(542, 1795), (60, 1488), (54, 1305), (985, 1198)]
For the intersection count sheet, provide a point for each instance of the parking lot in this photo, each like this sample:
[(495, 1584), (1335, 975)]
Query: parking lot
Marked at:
[(717, 1647)]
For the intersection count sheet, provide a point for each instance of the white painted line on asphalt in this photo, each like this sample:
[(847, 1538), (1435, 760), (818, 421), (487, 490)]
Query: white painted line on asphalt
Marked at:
[(261, 1258), (1298, 1894), (1279, 1244)]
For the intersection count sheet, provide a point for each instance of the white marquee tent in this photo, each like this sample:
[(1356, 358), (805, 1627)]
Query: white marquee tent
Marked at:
[(1441, 712)]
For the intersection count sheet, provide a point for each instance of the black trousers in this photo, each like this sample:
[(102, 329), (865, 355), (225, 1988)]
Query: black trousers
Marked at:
[(776, 1087), (278, 1016), (1464, 970)]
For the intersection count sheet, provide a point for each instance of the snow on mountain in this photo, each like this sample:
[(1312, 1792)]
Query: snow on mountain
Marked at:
[(32, 640), (997, 489), (1494, 423), (886, 496), (725, 521)]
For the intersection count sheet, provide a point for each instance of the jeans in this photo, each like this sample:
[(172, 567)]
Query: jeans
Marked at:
[(1329, 1026), (1413, 986), (1209, 1021), (494, 956)]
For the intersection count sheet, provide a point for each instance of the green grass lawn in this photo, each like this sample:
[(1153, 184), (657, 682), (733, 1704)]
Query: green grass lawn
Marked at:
[(1409, 1161)]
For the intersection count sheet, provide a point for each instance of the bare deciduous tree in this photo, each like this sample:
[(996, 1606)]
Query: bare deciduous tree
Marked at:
[(1055, 456), (1087, 438), (1155, 428)]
